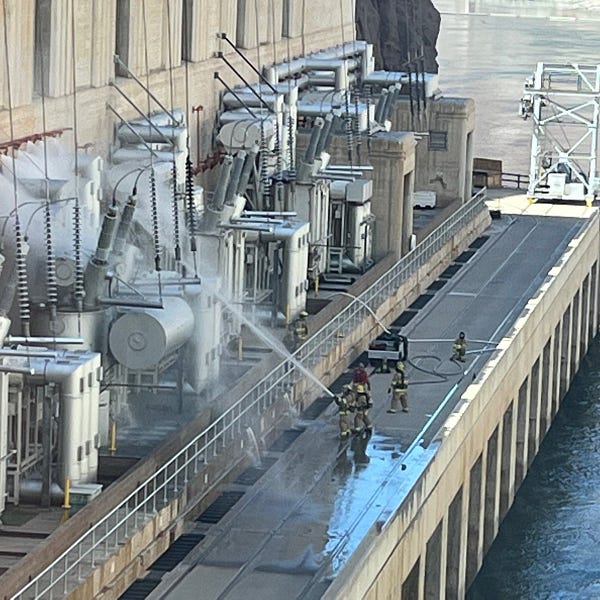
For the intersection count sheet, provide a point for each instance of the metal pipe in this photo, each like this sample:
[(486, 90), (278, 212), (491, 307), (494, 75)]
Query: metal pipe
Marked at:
[(329, 135), (29, 354), (269, 213), (18, 339), (124, 226), (138, 136), (349, 168), (113, 437), (129, 303), (132, 75), (222, 57), (30, 491), (238, 164), (222, 182), (138, 110), (95, 272), (325, 136), (230, 90), (261, 77), (247, 171), (311, 150), (380, 105)]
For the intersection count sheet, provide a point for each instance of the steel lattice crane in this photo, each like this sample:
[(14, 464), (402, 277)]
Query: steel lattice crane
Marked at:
[(564, 103)]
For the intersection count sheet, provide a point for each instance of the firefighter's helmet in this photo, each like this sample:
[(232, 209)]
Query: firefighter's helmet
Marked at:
[(399, 366), (360, 388), (303, 314), (461, 335)]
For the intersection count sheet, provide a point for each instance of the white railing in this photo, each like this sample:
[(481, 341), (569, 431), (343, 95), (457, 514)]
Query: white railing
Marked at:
[(77, 562)]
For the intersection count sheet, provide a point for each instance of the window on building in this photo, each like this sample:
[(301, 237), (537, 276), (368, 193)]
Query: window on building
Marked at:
[(438, 140)]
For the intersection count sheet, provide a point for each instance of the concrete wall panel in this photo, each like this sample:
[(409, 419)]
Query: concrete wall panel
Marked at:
[(20, 26)]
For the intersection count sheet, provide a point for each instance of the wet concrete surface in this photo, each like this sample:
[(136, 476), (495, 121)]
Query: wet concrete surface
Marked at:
[(294, 529)]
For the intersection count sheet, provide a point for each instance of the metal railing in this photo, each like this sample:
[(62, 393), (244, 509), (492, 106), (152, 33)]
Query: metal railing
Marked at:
[(518, 180), (68, 571)]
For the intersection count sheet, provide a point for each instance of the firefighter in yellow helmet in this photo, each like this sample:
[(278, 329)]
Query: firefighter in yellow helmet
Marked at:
[(346, 405), (363, 403), (399, 389), (460, 347), (300, 329)]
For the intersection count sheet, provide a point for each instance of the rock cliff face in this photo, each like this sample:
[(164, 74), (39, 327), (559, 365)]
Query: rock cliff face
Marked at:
[(398, 28)]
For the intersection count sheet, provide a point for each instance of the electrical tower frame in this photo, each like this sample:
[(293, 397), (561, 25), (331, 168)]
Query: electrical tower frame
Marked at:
[(564, 103)]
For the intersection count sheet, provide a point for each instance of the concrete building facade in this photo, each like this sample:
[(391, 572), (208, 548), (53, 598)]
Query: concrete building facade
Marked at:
[(179, 53)]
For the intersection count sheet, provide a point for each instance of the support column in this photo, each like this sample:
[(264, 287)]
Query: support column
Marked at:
[(410, 586), (534, 413), (103, 37), (594, 300), (507, 461), (54, 47), (585, 318), (522, 433), (556, 367), (392, 156), (475, 528), (270, 16), (546, 389), (454, 547), (575, 334), (433, 564), (4, 383), (20, 33), (142, 29), (565, 356), (492, 477)]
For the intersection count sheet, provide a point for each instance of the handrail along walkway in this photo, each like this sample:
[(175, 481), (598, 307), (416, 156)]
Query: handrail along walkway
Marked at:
[(67, 571)]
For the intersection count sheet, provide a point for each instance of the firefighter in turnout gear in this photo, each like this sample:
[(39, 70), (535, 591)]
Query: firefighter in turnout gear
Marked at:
[(460, 347), (399, 389), (346, 404), (362, 403), (360, 375), (300, 329)]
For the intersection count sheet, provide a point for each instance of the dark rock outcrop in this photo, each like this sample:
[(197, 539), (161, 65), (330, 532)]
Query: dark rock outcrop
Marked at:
[(397, 29)]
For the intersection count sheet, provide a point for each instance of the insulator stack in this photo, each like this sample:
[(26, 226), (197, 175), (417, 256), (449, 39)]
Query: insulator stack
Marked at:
[(22, 285), (79, 292), (176, 216), (278, 165), (154, 210), (264, 170), (51, 283), (368, 99), (292, 159), (357, 128), (191, 209), (349, 132)]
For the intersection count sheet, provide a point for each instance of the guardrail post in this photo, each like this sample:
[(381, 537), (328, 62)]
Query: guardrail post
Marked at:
[(93, 562), (66, 566)]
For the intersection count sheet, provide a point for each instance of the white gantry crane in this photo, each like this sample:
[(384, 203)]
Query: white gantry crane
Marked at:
[(563, 101)]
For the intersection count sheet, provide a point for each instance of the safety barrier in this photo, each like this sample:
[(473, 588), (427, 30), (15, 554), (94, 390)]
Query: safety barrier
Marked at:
[(67, 572), (518, 180)]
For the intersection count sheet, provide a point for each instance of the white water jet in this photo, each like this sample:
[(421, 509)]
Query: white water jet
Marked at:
[(253, 449), (272, 342)]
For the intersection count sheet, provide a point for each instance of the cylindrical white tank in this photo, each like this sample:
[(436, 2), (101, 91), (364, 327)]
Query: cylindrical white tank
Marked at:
[(71, 415), (141, 338), (202, 362), (92, 403)]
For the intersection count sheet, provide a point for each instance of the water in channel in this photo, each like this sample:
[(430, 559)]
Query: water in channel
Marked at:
[(548, 546)]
